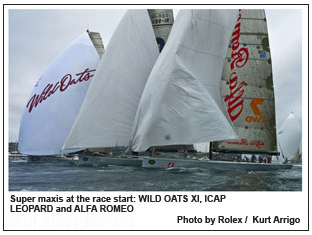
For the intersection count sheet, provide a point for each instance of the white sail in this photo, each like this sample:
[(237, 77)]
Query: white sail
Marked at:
[(247, 86), (289, 137), (108, 111), (55, 101), (181, 103)]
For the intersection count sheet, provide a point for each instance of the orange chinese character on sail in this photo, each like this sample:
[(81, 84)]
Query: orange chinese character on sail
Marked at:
[(254, 104)]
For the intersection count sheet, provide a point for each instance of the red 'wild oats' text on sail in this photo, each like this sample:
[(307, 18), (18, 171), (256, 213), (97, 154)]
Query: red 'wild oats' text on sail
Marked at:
[(61, 85)]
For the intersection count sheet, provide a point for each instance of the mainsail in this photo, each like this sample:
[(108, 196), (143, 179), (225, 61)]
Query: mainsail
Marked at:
[(181, 102), (247, 87), (108, 111), (97, 42), (289, 138), (56, 99), (162, 21)]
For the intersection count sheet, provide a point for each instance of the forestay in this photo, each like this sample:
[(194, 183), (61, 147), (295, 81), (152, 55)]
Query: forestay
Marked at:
[(108, 111), (181, 103), (57, 96)]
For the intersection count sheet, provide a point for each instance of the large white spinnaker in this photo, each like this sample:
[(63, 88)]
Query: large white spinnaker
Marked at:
[(55, 101), (181, 102), (108, 111), (289, 138)]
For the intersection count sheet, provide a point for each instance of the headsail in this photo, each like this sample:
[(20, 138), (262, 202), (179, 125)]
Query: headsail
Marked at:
[(181, 102), (108, 111), (162, 21), (56, 98), (247, 86), (289, 138)]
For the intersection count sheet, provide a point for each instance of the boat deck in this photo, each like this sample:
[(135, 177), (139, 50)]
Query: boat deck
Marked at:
[(163, 162)]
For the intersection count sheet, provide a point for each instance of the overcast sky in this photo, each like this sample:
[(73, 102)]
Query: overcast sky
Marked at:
[(36, 37)]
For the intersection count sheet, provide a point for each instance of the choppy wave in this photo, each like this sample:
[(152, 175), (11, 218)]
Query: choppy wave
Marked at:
[(66, 176)]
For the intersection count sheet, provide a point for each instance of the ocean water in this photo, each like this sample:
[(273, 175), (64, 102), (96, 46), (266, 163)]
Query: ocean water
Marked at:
[(67, 176)]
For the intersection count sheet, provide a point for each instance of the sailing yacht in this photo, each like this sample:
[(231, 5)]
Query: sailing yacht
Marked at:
[(57, 96), (247, 89), (289, 139), (108, 111), (144, 99)]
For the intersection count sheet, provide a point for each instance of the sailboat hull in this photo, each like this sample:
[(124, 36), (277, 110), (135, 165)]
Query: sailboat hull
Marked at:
[(151, 162), (220, 165), (108, 160)]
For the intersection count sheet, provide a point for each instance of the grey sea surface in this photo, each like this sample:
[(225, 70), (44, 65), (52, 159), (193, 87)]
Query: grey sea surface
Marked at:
[(68, 176)]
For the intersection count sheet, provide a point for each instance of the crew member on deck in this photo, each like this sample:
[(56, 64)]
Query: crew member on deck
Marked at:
[(269, 159), (260, 159), (253, 158)]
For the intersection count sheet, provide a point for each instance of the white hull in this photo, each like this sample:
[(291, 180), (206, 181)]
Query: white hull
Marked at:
[(108, 160), (156, 162), (220, 165), (151, 162), (40, 159), (17, 155)]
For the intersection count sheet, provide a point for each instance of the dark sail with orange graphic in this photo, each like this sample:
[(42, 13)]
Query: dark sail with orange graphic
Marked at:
[(247, 87)]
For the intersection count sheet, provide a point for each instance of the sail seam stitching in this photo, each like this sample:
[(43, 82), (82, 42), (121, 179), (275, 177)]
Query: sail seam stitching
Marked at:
[(201, 52), (214, 23)]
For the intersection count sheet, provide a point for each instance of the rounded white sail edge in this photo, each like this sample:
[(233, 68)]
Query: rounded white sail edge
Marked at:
[(108, 111), (55, 101), (289, 137), (181, 103)]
